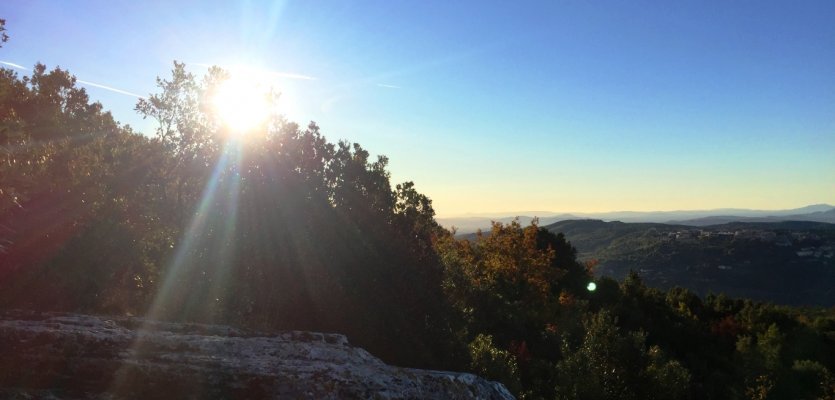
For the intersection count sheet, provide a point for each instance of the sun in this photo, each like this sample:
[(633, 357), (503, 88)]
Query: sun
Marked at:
[(242, 105)]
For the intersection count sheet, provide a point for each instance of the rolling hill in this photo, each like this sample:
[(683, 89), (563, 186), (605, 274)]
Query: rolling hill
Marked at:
[(790, 262)]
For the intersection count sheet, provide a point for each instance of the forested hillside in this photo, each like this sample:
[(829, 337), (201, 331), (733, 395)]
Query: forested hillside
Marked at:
[(790, 262), (284, 229)]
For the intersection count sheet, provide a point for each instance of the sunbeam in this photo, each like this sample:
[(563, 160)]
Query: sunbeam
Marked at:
[(214, 212)]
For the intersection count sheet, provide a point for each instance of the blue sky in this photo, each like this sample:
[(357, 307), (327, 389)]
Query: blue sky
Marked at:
[(502, 107)]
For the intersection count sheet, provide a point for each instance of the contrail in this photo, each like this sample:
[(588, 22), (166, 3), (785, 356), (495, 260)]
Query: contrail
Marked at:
[(112, 89), (276, 74), (389, 86), (83, 82), (13, 65), (293, 76)]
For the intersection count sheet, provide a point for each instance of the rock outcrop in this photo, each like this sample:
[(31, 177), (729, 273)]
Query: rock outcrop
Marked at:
[(69, 356)]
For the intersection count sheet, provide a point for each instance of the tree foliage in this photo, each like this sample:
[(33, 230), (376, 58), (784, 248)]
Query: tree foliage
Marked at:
[(291, 232), (4, 37)]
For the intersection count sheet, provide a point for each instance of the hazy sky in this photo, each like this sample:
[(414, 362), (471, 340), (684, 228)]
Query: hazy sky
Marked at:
[(504, 106)]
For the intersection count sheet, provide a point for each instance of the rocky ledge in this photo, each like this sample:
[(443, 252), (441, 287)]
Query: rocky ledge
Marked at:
[(71, 356)]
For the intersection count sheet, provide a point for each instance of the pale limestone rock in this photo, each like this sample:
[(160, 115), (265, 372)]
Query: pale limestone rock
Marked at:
[(69, 356)]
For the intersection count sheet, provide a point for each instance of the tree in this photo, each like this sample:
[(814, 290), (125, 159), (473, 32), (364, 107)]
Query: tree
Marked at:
[(72, 178), (3, 36), (522, 287), (493, 363), (503, 282), (291, 231), (610, 365)]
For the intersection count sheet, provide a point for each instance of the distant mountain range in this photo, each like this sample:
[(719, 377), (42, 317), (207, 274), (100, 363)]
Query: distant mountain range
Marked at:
[(812, 213), (817, 216)]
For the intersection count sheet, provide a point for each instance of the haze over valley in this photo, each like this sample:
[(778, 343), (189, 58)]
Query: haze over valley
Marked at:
[(815, 213)]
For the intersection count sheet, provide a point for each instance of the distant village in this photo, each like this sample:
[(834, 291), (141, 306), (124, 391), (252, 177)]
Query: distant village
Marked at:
[(808, 244)]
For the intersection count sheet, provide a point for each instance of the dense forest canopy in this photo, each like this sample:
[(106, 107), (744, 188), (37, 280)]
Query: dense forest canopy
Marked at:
[(119, 222), (283, 229)]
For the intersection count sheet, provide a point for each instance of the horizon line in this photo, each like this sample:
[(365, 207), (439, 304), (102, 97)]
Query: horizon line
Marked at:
[(507, 214)]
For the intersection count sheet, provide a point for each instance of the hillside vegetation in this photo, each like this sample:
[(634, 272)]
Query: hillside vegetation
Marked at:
[(789, 262)]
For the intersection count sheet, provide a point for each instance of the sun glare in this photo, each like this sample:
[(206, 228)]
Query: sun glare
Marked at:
[(242, 105)]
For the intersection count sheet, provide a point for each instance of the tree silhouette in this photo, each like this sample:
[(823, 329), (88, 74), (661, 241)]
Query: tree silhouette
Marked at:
[(4, 37)]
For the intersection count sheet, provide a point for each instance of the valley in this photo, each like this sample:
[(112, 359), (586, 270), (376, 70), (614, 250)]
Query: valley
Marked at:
[(781, 262)]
